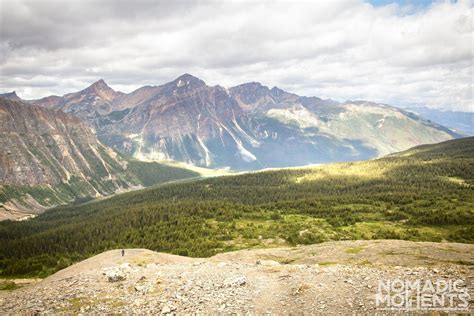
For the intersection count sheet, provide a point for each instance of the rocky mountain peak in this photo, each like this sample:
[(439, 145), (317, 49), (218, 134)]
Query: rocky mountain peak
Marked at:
[(102, 90), (100, 85), (249, 92), (277, 91), (10, 96), (187, 80), (250, 86), (251, 95)]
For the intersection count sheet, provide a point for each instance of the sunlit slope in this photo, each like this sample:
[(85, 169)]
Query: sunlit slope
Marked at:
[(382, 128), (425, 194), (461, 148)]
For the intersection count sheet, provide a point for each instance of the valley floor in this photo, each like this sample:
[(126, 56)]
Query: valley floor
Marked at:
[(330, 278)]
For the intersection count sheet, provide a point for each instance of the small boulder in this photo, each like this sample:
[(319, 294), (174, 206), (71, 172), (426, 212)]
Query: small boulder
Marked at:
[(168, 308), (142, 288), (238, 281), (115, 275)]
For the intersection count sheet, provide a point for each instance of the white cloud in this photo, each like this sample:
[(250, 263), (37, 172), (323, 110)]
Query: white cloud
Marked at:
[(332, 49)]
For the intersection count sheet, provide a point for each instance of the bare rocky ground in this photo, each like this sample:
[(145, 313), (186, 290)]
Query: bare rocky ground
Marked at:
[(331, 278)]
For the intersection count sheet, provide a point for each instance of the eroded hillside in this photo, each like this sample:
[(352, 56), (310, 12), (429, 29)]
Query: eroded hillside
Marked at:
[(51, 158)]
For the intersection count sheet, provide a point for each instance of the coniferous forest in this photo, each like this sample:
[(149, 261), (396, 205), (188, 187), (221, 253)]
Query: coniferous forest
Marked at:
[(423, 194)]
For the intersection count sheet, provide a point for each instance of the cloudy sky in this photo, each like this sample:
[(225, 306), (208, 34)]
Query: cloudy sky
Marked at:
[(401, 53)]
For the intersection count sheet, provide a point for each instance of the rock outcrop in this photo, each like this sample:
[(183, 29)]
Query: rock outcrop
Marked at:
[(329, 278)]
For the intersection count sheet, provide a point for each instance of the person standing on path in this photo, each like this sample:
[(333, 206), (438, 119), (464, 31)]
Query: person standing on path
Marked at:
[(123, 252)]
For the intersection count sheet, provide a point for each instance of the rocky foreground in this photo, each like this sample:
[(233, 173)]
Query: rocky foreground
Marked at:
[(329, 278)]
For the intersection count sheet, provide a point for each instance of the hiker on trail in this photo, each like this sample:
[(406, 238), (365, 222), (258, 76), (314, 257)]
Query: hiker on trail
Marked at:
[(123, 252)]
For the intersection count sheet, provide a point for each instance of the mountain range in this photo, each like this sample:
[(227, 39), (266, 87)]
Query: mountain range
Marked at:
[(99, 141), (246, 127)]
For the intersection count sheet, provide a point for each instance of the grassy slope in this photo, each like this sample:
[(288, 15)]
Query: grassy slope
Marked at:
[(421, 194)]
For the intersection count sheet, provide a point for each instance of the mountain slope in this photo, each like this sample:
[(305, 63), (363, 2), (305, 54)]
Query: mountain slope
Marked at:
[(35, 137), (385, 129), (414, 196), (245, 127), (50, 158)]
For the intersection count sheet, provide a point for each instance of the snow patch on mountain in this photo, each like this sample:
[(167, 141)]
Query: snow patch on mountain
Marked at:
[(244, 153), (250, 139), (206, 151)]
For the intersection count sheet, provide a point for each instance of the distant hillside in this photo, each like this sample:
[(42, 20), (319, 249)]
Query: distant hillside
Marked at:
[(50, 158), (424, 194), (247, 127), (462, 122), (460, 148)]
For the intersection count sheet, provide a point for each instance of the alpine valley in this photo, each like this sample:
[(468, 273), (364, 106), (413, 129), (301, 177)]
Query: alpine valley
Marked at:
[(331, 231)]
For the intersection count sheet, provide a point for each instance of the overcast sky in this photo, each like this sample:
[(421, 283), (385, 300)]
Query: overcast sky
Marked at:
[(397, 53)]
